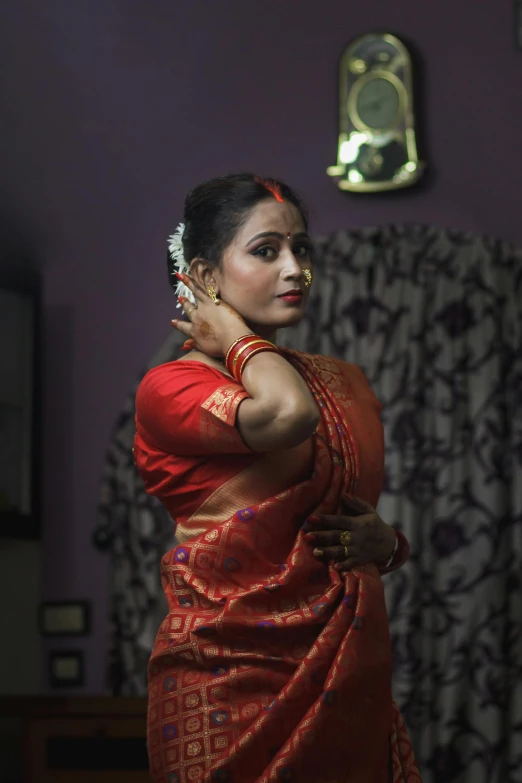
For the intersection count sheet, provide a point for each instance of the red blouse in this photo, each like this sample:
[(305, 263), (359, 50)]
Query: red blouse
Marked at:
[(187, 444)]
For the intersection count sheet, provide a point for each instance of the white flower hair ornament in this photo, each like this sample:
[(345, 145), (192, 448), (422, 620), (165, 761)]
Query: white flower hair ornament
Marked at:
[(175, 246)]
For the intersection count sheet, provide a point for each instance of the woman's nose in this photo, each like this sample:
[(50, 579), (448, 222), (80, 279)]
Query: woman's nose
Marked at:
[(292, 267)]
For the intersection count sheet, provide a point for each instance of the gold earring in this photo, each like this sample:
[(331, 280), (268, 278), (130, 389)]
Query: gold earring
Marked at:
[(308, 277), (211, 291)]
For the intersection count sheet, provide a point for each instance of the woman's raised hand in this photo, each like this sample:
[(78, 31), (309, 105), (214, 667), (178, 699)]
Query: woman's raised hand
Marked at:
[(211, 329)]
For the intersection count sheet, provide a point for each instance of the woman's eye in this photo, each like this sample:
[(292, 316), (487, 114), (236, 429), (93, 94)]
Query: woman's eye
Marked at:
[(265, 252), (302, 250)]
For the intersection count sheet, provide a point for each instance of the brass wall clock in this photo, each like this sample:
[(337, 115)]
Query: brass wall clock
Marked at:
[(377, 147)]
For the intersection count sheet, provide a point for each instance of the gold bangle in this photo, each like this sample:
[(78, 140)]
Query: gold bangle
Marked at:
[(262, 349), (234, 344), (244, 347)]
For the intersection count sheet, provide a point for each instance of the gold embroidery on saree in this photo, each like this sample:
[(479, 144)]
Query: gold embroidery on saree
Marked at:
[(218, 416), (272, 474)]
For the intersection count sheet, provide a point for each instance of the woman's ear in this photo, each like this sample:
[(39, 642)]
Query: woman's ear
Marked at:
[(203, 273)]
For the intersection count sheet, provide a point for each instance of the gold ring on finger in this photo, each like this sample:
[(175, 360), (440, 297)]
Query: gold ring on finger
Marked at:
[(189, 312), (345, 538)]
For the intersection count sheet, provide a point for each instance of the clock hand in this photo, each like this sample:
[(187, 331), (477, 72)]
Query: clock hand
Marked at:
[(372, 106)]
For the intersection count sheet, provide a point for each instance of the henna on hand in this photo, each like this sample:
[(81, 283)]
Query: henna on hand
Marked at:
[(205, 329)]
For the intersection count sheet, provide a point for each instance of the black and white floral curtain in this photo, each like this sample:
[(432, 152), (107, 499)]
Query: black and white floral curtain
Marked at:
[(434, 318), (136, 531)]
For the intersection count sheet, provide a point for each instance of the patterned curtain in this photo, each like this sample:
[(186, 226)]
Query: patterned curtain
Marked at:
[(435, 319), (136, 531)]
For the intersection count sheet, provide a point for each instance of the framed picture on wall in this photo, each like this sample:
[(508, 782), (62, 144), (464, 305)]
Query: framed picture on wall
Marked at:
[(66, 669), (65, 618), (518, 24)]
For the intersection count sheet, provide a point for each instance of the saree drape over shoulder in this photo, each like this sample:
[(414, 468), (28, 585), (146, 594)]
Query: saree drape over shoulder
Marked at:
[(269, 666)]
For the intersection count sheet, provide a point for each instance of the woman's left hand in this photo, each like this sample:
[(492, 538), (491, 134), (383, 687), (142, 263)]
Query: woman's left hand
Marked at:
[(371, 540)]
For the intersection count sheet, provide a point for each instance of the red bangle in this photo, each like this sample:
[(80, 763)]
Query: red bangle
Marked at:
[(234, 344), (237, 347), (395, 550), (242, 350), (247, 355), (401, 555)]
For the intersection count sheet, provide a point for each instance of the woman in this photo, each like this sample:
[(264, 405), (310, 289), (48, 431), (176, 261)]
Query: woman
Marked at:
[(273, 663)]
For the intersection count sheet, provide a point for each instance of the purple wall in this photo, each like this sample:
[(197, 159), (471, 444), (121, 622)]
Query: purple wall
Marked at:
[(114, 109)]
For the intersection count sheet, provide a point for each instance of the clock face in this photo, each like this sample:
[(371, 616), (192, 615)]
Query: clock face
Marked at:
[(377, 149), (378, 103)]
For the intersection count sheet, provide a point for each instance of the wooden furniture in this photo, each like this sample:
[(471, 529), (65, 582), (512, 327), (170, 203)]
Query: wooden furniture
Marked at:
[(80, 740)]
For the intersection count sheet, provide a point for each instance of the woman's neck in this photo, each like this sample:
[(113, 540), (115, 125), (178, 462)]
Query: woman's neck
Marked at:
[(266, 332)]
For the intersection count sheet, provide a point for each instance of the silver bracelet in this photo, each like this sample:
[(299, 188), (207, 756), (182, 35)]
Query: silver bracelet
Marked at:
[(395, 548)]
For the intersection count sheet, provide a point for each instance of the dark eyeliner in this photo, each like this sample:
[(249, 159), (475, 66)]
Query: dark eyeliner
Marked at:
[(257, 253)]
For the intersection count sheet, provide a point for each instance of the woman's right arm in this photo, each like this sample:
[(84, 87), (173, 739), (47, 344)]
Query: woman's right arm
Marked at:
[(281, 411)]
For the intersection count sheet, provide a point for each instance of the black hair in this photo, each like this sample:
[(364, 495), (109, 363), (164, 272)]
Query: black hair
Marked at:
[(216, 210)]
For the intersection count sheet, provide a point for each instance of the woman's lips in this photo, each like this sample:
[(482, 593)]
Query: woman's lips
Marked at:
[(291, 298)]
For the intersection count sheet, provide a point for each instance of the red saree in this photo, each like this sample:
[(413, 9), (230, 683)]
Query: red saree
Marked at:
[(269, 666)]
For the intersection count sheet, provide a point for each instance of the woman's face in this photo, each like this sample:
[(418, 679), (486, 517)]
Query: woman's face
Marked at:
[(265, 261)]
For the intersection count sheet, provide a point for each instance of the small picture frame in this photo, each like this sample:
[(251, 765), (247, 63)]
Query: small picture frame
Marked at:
[(66, 669), (65, 618), (518, 24)]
